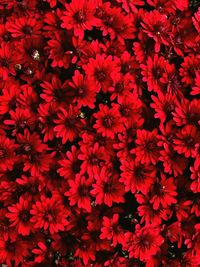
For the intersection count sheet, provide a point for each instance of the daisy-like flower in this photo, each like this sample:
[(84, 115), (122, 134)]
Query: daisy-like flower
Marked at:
[(55, 91), (12, 251), (49, 214), (136, 176), (100, 71), (164, 105), (79, 16), (111, 230), (8, 98), (92, 158), (147, 150), (8, 59), (163, 193), (107, 189), (145, 242), (20, 119), (131, 5), (19, 216), (61, 51), (187, 141), (24, 27), (153, 71), (79, 192), (70, 166), (157, 27), (108, 121), (84, 90), (7, 152), (68, 124), (48, 113), (149, 215), (115, 23)]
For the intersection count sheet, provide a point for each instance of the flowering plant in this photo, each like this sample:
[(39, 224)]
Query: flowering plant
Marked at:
[(99, 133)]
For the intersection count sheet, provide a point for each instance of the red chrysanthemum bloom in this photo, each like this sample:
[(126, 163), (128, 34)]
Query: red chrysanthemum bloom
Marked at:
[(8, 98), (108, 121), (49, 214), (163, 193), (153, 71), (149, 215), (19, 216), (79, 192), (147, 150), (187, 141), (61, 51), (25, 27), (71, 165), (55, 91), (84, 90), (7, 152), (100, 71), (92, 158), (107, 189), (20, 119), (145, 242), (187, 112), (157, 26), (48, 113), (164, 105), (136, 176), (111, 230), (115, 23), (79, 16), (189, 68), (8, 60), (12, 251), (68, 124)]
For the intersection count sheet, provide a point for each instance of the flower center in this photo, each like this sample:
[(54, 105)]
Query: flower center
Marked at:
[(100, 75), (108, 121), (83, 190), (79, 16), (107, 188), (24, 215), (10, 247), (27, 30)]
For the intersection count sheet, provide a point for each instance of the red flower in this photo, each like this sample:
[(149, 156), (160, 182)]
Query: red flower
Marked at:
[(25, 27), (92, 157), (19, 216), (146, 150), (61, 54), (70, 166), (187, 141), (157, 26), (12, 251), (68, 124), (136, 176), (108, 121), (153, 72), (49, 214), (145, 242), (79, 16), (196, 88), (84, 90), (8, 60), (163, 193), (111, 230), (107, 189), (101, 70), (79, 192), (7, 152), (131, 5)]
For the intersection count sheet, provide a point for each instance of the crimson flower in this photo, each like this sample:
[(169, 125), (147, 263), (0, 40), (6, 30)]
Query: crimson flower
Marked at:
[(49, 214), (79, 192), (79, 16), (108, 121)]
